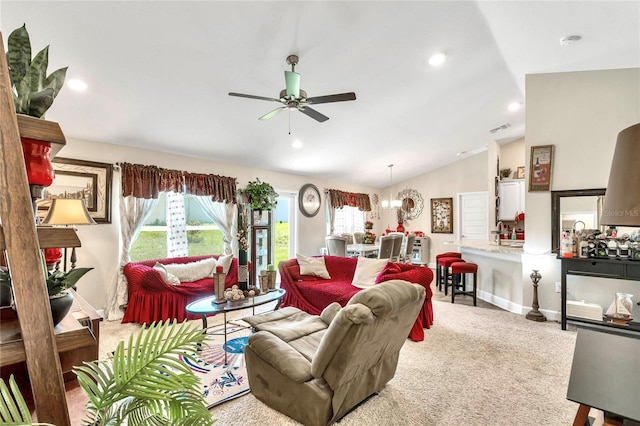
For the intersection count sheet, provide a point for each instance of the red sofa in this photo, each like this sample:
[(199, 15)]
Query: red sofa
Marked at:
[(151, 299), (312, 294)]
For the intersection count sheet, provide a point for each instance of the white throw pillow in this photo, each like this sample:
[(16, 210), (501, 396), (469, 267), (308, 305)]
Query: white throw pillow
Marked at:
[(193, 271), (167, 277), (225, 262), (367, 270), (313, 266)]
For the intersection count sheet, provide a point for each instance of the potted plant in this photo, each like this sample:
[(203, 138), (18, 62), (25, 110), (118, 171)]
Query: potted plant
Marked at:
[(142, 383), (259, 195), (33, 93), (57, 283)]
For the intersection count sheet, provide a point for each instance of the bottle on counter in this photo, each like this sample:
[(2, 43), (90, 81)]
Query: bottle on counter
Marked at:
[(513, 234)]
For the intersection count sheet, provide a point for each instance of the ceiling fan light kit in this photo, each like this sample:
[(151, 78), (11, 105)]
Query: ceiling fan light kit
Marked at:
[(293, 97)]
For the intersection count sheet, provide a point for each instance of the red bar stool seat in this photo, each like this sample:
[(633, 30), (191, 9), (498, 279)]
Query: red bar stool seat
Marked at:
[(439, 271), (445, 276), (459, 271)]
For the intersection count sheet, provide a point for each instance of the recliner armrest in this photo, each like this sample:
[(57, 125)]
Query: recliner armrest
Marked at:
[(281, 356)]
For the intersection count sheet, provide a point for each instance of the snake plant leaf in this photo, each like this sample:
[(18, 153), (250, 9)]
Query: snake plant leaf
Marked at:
[(38, 70), (39, 102), (13, 408), (56, 80), (18, 54)]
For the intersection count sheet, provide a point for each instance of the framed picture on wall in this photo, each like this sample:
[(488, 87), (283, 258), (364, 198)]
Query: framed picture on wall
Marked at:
[(540, 168), (86, 180), (442, 215)]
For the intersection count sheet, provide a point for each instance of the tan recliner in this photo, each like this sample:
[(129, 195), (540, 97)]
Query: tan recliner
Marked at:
[(317, 368)]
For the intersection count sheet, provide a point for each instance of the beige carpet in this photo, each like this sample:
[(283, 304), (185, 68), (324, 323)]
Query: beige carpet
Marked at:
[(476, 366)]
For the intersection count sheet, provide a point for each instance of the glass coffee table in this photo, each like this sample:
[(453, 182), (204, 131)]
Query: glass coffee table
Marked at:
[(208, 306)]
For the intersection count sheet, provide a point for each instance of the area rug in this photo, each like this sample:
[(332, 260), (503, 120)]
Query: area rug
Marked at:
[(222, 382)]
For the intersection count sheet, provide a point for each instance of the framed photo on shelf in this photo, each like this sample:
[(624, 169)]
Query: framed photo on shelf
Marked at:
[(520, 172), (442, 215), (86, 180), (540, 168)]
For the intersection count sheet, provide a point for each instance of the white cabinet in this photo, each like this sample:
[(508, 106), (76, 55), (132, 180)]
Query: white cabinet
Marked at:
[(511, 193)]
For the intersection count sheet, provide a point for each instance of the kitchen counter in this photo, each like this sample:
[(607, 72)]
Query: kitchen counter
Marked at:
[(490, 247)]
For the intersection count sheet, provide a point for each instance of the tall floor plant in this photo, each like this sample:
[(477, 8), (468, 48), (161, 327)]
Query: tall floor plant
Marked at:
[(145, 383)]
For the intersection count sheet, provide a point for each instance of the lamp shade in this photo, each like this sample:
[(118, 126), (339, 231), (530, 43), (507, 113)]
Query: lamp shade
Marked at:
[(67, 211), (622, 199)]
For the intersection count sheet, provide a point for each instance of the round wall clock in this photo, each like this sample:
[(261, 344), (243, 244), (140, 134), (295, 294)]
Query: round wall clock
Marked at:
[(309, 200)]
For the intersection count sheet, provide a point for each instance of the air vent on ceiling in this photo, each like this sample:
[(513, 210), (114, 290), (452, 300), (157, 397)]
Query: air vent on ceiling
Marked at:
[(499, 128)]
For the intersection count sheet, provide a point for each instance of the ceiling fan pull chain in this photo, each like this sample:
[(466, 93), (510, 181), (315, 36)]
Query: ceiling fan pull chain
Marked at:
[(289, 121)]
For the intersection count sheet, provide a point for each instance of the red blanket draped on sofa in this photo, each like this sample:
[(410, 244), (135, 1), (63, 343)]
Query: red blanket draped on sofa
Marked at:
[(152, 300), (312, 294)]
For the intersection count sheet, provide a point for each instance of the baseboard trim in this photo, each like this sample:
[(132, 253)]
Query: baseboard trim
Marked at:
[(516, 308)]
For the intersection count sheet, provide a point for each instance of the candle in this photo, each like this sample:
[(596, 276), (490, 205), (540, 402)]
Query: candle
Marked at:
[(218, 269), (271, 268)]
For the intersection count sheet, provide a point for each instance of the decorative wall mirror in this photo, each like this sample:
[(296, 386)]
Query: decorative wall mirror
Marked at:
[(567, 207), (412, 203)]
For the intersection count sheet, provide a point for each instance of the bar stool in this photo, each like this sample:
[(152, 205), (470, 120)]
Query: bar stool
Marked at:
[(438, 270), (444, 263), (459, 271)]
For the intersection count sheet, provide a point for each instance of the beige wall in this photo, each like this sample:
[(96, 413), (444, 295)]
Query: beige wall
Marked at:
[(581, 114), (512, 156), (100, 243)]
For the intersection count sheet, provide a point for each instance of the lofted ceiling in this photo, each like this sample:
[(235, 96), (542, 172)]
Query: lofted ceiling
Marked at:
[(159, 73)]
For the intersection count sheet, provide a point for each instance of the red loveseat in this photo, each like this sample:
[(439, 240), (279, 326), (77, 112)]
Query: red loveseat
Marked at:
[(152, 299), (312, 294)]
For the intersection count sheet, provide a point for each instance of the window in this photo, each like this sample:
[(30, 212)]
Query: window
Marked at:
[(348, 220), (202, 235)]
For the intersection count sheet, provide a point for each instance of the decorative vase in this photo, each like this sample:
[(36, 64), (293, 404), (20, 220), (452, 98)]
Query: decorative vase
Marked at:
[(400, 227), (36, 157), (243, 270), (60, 306)]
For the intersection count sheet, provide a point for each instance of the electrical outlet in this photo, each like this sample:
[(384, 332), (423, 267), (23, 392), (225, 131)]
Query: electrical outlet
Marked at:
[(558, 287)]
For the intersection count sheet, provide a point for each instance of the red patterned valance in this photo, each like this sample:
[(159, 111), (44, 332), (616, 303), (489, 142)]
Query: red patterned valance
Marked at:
[(148, 181), (338, 199)]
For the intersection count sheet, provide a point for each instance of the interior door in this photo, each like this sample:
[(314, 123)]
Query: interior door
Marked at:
[(473, 214)]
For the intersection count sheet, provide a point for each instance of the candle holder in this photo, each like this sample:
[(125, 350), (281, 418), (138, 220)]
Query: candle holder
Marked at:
[(218, 287), (534, 314)]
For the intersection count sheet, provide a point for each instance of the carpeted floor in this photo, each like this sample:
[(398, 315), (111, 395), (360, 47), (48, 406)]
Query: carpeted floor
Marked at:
[(476, 366)]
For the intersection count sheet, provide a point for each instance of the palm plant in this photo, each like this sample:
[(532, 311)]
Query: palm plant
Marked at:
[(145, 383), (13, 408)]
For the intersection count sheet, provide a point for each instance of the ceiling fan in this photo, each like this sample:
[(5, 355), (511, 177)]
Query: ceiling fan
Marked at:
[(294, 97)]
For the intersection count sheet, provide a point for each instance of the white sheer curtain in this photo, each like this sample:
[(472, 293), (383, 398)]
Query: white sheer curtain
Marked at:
[(177, 226), (224, 215), (133, 212)]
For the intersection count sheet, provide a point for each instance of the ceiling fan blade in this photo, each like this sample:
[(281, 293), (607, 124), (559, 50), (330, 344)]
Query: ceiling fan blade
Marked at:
[(313, 114), (262, 98), (293, 83), (271, 114), (350, 96)]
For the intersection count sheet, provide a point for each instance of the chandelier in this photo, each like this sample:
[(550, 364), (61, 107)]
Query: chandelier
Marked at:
[(391, 203)]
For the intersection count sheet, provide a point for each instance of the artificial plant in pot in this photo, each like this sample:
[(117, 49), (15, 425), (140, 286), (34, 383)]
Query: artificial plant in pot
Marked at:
[(57, 282), (259, 195)]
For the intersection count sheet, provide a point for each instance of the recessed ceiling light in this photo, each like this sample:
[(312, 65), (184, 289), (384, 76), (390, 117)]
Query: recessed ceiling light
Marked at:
[(437, 59), (514, 106), (297, 144), (77, 85), (571, 39)]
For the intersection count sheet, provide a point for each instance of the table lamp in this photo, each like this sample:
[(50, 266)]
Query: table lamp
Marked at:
[(68, 212)]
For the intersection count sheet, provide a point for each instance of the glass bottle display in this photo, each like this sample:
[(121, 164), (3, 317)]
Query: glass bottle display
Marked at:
[(260, 243)]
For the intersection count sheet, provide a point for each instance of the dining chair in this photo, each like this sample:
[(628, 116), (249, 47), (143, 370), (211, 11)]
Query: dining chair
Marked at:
[(397, 246), (358, 237), (349, 237), (386, 247), (336, 245), (409, 240)]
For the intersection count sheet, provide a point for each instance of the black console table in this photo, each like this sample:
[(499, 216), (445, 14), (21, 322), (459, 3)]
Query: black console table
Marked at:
[(603, 268)]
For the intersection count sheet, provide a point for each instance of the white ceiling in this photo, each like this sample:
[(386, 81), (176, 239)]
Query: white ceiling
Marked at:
[(159, 73)]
